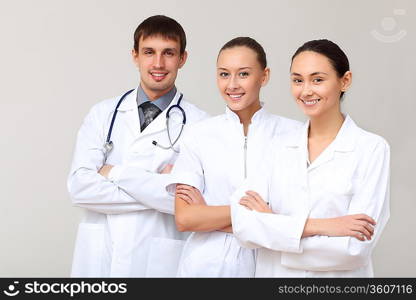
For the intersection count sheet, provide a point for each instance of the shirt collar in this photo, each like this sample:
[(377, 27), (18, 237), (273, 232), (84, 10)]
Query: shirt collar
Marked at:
[(257, 117), (344, 141), (161, 102)]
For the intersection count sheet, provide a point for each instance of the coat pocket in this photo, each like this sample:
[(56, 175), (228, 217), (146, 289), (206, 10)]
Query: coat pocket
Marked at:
[(89, 249), (164, 256)]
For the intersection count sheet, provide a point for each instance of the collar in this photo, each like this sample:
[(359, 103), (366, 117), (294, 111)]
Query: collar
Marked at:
[(344, 141), (161, 102), (257, 117)]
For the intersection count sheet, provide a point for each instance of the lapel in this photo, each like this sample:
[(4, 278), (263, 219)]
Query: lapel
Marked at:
[(129, 114), (343, 142)]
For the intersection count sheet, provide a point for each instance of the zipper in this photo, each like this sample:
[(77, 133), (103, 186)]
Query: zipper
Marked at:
[(245, 157)]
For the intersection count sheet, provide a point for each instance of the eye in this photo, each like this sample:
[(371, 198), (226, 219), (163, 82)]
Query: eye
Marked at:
[(243, 74), (223, 74), (169, 53), (148, 52), (296, 80), (318, 80)]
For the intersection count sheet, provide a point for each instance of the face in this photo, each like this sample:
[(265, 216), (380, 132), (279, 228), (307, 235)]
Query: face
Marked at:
[(158, 60), (240, 77), (316, 86)]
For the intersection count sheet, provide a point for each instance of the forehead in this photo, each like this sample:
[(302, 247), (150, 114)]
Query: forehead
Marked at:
[(158, 42), (237, 57), (309, 62)]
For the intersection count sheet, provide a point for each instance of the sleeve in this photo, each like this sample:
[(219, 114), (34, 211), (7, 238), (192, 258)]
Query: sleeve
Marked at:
[(188, 168), (87, 188), (322, 253), (269, 230), (146, 187)]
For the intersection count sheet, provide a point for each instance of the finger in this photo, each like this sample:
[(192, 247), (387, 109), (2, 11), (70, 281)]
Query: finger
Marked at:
[(184, 198), (246, 204), (256, 196), (368, 226), (366, 218), (357, 235), (362, 230), (184, 187), (253, 203)]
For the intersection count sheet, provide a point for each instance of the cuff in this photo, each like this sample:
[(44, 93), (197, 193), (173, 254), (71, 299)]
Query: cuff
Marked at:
[(115, 173)]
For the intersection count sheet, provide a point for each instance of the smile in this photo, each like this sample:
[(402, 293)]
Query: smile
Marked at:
[(310, 102), (236, 96), (158, 75)]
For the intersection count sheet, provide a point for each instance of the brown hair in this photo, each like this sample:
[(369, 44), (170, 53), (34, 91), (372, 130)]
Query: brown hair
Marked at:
[(249, 43), (163, 26)]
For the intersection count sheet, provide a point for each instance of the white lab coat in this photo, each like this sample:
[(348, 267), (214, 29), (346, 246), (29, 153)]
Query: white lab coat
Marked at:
[(215, 158), (128, 230), (351, 176)]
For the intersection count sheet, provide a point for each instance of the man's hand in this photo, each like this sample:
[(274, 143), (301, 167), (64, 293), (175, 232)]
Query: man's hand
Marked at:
[(105, 170), (189, 194)]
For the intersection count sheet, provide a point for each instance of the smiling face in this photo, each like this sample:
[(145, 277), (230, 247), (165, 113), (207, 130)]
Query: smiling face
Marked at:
[(158, 60), (316, 85), (240, 77)]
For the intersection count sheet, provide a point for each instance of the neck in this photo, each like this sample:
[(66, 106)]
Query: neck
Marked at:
[(246, 114), (153, 95), (326, 125)]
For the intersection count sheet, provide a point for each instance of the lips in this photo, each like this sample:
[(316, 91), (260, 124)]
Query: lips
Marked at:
[(158, 76), (235, 96)]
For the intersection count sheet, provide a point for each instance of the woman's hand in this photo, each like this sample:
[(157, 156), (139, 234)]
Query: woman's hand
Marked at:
[(359, 226), (189, 194), (228, 229), (254, 201)]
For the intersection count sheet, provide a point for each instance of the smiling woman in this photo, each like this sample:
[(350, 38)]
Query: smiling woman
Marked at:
[(217, 154), (327, 183)]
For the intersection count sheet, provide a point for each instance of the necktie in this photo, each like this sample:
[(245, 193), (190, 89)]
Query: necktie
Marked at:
[(150, 112)]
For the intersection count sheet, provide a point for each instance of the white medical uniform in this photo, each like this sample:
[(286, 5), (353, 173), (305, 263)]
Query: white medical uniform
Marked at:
[(216, 157), (351, 176), (128, 229)]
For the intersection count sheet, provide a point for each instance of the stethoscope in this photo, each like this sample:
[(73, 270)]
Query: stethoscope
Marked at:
[(108, 146)]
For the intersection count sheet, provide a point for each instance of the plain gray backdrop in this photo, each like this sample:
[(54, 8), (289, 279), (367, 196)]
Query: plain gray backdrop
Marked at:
[(58, 58)]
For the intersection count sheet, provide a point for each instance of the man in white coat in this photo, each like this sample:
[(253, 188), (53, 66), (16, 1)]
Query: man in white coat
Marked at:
[(129, 228)]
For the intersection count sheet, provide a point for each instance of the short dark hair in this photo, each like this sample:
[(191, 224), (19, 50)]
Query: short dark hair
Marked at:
[(163, 26), (330, 50), (249, 43)]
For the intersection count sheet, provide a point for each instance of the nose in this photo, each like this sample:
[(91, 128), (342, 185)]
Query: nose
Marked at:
[(233, 83), (306, 90), (159, 61)]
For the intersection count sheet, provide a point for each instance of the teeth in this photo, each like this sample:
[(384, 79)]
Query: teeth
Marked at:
[(235, 96), (158, 75), (311, 102)]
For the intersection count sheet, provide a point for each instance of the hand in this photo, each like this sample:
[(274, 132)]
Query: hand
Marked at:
[(254, 201), (167, 169), (189, 194), (228, 229), (359, 226), (105, 170)]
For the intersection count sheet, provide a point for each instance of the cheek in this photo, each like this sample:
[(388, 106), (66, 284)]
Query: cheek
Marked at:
[(296, 91)]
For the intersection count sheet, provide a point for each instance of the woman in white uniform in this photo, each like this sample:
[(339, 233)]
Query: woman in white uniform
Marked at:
[(216, 156), (325, 201)]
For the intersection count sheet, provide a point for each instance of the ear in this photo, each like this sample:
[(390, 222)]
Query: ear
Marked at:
[(346, 81), (182, 59), (134, 56), (266, 76)]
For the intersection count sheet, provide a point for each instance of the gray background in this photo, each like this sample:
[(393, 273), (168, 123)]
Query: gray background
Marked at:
[(59, 57)]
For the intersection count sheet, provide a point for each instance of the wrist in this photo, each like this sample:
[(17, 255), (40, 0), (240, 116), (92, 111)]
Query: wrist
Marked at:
[(313, 227)]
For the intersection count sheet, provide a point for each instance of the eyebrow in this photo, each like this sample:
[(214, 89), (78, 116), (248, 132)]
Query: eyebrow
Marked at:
[(312, 74), (165, 49), (221, 68)]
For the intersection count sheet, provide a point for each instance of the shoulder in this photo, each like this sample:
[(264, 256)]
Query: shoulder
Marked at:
[(193, 112), (208, 125), (283, 125), (369, 141)]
